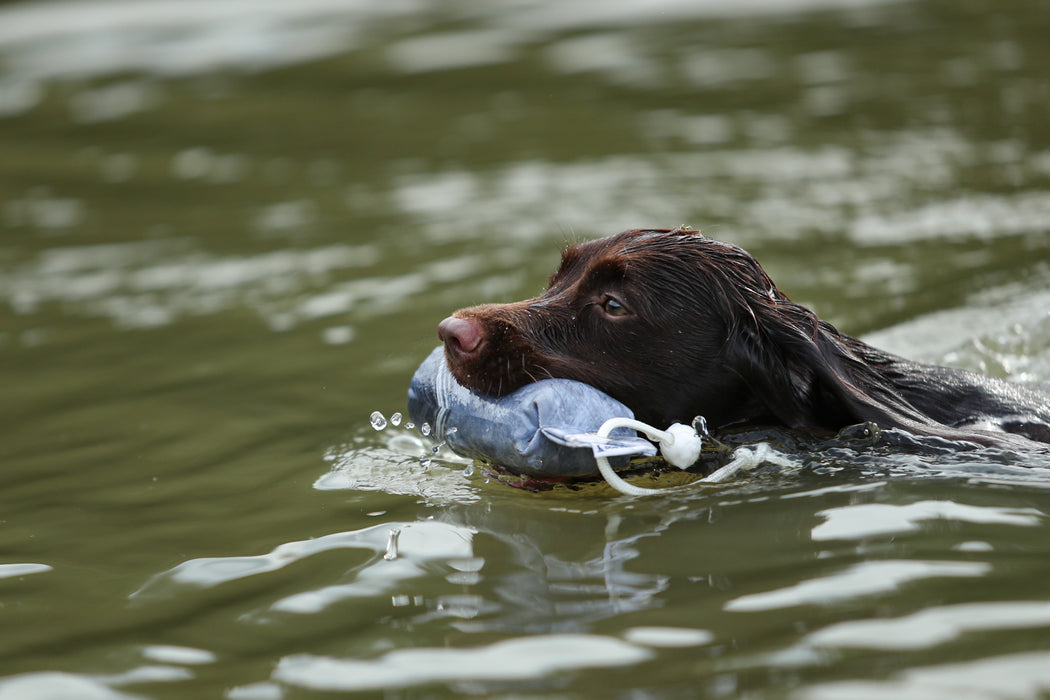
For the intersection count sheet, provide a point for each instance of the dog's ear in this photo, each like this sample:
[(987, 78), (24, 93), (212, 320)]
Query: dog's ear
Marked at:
[(801, 369), (808, 374)]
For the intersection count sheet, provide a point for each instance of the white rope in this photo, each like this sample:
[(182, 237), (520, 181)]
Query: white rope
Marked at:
[(744, 459), (680, 446), (603, 464)]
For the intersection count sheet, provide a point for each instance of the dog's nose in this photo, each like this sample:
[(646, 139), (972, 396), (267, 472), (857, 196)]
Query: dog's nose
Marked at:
[(462, 336)]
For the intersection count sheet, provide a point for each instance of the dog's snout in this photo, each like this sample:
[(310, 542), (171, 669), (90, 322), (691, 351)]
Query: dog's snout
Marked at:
[(462, 336)]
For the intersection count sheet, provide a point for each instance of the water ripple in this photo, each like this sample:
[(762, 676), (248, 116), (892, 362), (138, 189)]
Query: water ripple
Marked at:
[(513, 659), (865, 579)]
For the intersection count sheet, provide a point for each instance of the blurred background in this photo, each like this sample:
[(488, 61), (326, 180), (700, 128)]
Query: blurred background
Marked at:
[(228, 229)]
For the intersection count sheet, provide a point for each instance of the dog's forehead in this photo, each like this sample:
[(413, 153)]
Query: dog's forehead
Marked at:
[(653, 236), (637, 251), (634, 240), (655, 247)]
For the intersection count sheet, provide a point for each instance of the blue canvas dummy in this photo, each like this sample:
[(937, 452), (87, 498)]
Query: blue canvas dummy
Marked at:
[(543, 429)]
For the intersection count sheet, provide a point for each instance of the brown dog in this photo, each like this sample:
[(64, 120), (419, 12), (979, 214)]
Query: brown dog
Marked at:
[(676, 325)]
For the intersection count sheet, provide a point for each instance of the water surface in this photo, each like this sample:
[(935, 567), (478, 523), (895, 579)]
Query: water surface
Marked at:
[(228, 234)]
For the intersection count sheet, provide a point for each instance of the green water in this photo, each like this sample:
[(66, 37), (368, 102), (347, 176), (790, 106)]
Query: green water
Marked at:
[(227, 236)]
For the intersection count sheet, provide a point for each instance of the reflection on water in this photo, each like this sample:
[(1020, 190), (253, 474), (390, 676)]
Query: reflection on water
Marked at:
[(830, 190), (858, 522), (84, 39), (229, 230), (1013, 344), (153, 283), (932, 626), (1018, 675), (799, 194), (23, 569), (417, 544), (867, 579), (517, 659)]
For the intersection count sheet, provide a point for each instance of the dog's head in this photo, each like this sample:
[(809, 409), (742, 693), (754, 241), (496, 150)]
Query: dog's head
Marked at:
[(651, 317)]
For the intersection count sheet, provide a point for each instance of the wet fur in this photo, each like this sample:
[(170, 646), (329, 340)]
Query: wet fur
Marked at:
[(708, 333)]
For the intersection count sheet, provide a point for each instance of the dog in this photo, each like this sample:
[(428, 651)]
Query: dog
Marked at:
[(676, 325)]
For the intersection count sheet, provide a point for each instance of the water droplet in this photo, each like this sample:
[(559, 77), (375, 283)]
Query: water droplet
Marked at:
[(700, 426), (451, 431), (377, 420), (469, 470), (391, 545), (425, 462), (409, 425), (425, 429), (395, 419)]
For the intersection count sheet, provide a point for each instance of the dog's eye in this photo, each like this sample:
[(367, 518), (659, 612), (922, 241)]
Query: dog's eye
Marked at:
[(613, 307)]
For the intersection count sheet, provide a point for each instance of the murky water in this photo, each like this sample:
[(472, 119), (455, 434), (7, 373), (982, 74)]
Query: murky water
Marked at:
[(229, 231)]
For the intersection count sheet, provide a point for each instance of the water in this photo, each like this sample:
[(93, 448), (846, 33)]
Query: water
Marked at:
[(228, 235)]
